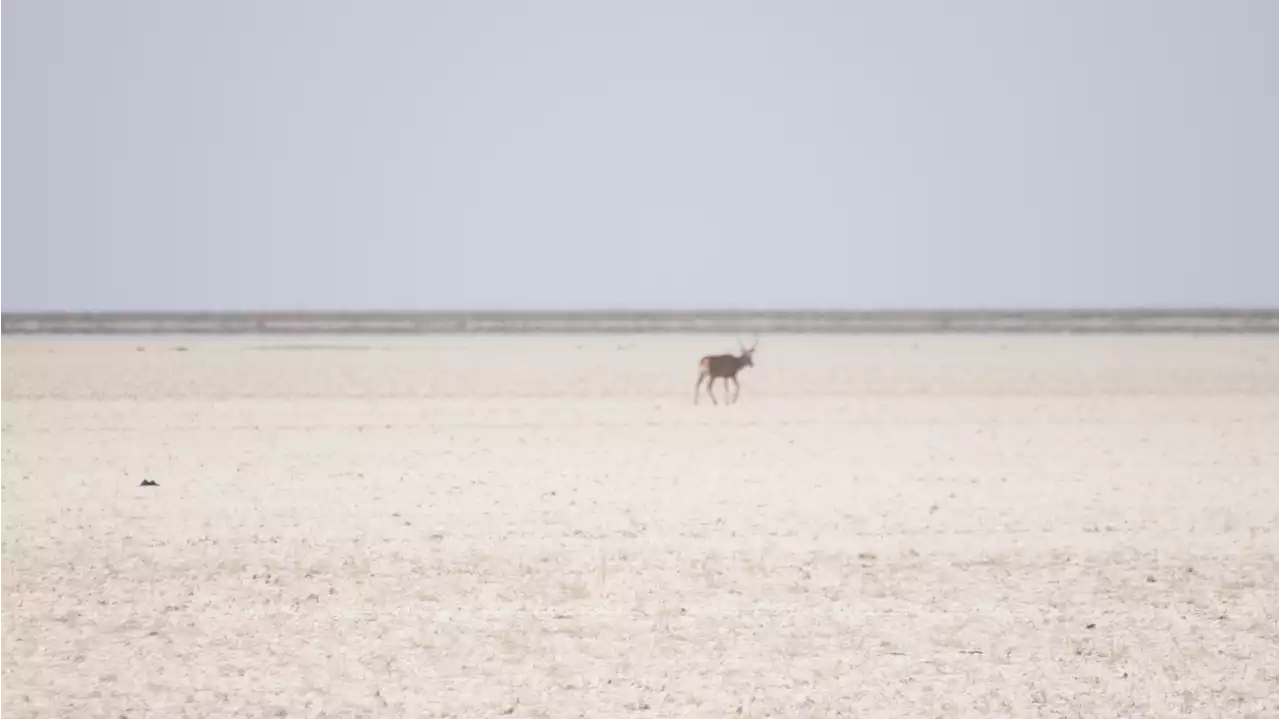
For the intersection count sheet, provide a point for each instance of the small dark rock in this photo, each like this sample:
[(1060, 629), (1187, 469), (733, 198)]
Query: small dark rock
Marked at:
[(1090, 625), (148, 483)]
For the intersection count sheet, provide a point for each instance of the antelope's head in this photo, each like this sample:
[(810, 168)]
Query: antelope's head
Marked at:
[(747, 354)]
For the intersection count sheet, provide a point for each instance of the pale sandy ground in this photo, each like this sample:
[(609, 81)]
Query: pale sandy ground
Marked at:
[(546, 526)]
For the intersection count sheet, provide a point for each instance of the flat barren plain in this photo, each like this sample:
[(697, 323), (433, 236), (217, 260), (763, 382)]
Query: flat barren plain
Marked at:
[(547, 526)]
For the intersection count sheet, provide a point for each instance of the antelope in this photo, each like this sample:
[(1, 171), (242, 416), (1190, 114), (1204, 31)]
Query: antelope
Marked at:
[(725, 367)]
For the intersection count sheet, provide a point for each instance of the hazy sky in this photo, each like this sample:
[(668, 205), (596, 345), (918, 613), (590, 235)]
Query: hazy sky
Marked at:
[(236, 154)]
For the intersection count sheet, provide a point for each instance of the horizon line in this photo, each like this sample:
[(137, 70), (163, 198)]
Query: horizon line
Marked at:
[(1197, 310)]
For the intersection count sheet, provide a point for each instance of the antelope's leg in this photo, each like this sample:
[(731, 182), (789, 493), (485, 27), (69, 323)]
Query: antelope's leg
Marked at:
[(710, 384), (737, 389), (697, 388)]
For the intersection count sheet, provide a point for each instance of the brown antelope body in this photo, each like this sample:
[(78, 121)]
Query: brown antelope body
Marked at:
[(722, 367)]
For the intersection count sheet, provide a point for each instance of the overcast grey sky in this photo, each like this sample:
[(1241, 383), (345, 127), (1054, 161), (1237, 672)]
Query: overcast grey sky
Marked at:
[(236, 154)]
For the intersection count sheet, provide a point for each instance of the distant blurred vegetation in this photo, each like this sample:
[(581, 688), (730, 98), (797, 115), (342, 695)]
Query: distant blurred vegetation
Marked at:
[(1054, 321)]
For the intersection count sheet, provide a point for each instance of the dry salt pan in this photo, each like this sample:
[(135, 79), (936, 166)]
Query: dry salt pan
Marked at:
[(967, 526)]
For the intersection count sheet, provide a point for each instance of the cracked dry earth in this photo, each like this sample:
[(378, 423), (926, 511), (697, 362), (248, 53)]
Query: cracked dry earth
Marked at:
[(547, 527)]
